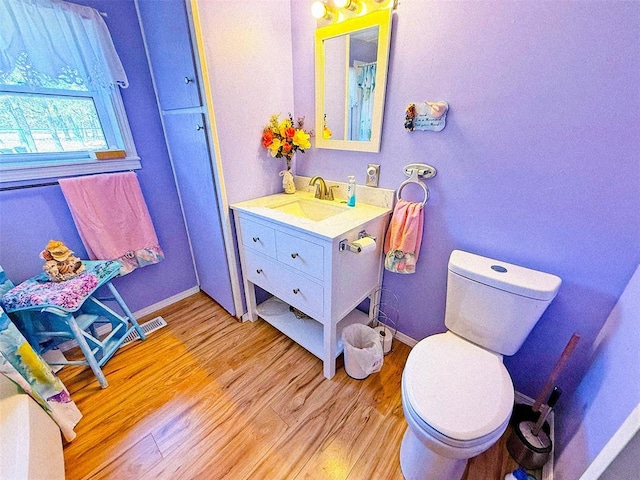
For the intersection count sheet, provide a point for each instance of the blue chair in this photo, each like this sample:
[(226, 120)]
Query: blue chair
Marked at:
[(49, 313), (5, 283)]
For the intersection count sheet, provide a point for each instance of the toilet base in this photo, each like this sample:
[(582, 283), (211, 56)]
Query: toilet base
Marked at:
[(419, 463)]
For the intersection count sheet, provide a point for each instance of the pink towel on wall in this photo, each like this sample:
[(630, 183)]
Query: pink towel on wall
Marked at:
[(112, 219), (404, 236)]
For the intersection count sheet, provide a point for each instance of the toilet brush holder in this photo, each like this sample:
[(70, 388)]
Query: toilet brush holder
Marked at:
[(530, 451), (529, 443)]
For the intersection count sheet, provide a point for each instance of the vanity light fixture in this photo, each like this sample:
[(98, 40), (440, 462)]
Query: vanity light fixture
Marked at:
[(320, 10), (335, 11), (388, 3), (351, 5)]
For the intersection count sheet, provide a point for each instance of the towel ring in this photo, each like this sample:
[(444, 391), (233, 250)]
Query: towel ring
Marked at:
[(407, 182), (414, 171)]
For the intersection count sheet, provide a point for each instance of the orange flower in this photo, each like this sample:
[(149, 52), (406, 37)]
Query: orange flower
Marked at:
[(286, 147), (267, 138), (289, 132)]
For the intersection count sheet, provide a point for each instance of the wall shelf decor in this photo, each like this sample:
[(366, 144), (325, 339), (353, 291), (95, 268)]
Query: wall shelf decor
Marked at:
[(426, 116)]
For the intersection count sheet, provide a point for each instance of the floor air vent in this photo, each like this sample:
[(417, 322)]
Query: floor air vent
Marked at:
[(147, 327)]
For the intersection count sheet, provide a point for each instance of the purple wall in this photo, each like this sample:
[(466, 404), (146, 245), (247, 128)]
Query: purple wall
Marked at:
[(538, 164), (29, 218), (248, 55)]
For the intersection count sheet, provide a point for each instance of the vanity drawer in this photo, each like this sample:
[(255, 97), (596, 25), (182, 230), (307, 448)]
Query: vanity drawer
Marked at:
[(302, 293), (304, 256), (260, 271), (258, 237)]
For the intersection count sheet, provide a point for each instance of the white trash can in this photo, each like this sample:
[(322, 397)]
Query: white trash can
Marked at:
[(362, 351)]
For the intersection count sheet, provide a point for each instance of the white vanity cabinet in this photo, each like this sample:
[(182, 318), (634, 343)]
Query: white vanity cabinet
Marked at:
[(300, 262)]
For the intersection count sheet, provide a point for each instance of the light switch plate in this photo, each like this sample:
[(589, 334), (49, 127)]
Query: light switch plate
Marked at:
[(373, 175)]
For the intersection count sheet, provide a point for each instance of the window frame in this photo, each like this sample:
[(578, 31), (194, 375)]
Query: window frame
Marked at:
[(29, 169)]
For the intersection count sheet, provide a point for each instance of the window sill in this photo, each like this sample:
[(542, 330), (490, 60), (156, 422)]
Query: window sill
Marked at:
[(28, 175)]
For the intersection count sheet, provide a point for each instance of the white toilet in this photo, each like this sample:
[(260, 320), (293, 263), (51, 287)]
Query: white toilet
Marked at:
[(457, 395)]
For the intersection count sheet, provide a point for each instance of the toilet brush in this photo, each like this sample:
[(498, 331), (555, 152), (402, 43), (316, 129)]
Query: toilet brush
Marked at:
[(553, 398), (566, 353)]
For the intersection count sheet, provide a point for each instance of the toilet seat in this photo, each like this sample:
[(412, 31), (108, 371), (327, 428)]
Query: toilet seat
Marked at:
[(457, 388)]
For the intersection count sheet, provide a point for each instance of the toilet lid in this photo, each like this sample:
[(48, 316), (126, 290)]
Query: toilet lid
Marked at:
[(456, 387)]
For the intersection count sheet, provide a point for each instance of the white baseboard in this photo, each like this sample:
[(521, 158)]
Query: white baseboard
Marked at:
[(151, 309), (406, 339), (105, 328)]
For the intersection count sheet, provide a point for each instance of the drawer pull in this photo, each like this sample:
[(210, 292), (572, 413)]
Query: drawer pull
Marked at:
[(295, 291), (294, 255), (255, 239), (188, 80), (259, 271)]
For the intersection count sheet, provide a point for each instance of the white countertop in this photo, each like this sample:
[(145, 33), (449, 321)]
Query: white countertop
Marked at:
[(329, 228)]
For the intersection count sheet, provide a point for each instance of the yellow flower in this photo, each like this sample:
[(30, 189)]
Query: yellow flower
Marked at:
[(301, 139), (275, 146), (273, 122), (286, 123)]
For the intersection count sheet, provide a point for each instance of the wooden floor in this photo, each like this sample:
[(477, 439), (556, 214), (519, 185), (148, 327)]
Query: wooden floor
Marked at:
[(208, 397)]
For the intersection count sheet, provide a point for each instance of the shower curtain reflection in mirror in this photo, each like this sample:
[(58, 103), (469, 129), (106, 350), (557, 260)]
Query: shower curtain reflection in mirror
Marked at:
[(362, 84)]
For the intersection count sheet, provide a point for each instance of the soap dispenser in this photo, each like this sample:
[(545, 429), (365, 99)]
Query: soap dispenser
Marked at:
[(351, 191)]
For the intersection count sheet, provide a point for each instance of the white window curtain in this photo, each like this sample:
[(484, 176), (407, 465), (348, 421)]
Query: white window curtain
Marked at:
[(48, 41)]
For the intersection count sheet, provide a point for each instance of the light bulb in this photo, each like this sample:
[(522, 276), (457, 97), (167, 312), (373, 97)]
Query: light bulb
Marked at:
[(319, 10), (393, 4), (352, 5)]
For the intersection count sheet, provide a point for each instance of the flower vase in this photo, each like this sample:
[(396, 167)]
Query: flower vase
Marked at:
[(287, 178)]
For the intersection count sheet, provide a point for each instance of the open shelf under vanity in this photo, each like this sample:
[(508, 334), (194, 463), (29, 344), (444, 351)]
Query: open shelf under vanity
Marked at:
[(306, 331)]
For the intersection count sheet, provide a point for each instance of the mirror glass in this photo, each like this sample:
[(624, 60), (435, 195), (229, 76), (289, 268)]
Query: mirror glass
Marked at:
[(351, 72)]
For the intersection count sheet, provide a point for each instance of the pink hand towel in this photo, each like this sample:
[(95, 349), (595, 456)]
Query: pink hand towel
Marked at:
[(404, 236), (112, 219)]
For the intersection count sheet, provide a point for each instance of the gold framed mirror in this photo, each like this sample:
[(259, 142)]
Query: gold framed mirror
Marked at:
[(351, 60)]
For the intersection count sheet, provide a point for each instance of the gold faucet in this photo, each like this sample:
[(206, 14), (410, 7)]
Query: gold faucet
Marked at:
[(322, 192)]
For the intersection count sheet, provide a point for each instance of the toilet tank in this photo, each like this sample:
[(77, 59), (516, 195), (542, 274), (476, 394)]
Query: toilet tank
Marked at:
[(495, 304)]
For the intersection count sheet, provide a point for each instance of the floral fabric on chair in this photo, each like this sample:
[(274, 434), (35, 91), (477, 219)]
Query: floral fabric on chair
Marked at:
[(40, 292)]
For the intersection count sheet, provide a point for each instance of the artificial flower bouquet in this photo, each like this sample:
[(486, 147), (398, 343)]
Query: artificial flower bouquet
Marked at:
[(284, 138)]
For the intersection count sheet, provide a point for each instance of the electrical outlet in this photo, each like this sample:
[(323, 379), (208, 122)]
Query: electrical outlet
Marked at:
[(373, 175)]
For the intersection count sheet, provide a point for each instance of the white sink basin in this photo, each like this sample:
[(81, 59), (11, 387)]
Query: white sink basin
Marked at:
[(316, 210)]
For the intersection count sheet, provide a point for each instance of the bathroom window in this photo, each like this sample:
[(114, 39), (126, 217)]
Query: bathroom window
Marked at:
[(60, 80)]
